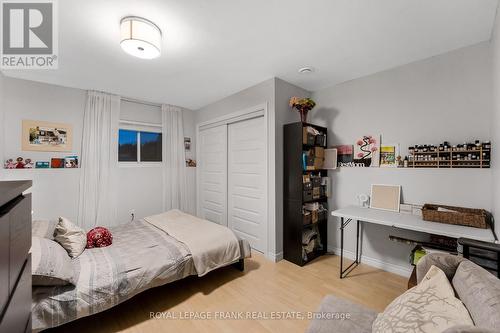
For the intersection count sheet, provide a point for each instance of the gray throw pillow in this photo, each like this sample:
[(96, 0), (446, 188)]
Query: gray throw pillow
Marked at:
[(50, 263), (43, 228)]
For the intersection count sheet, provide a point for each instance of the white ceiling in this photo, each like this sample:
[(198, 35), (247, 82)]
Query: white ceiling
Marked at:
[(213, 48)]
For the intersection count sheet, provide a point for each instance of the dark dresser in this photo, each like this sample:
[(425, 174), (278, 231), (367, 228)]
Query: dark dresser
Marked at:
[(15, 260)]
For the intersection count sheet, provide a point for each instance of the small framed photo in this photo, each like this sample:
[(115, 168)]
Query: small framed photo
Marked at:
[(57, 163), (386, 197), (187, 144), (71, 162), (42, 165)]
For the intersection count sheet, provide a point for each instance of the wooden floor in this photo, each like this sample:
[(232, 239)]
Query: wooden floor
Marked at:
[(264, 287)]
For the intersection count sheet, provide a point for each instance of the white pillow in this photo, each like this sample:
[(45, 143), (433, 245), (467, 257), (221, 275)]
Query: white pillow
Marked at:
[(429, 307), (71, 237)]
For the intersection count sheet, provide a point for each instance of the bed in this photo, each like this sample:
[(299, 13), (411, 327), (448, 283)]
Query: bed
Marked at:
[(143, 256)]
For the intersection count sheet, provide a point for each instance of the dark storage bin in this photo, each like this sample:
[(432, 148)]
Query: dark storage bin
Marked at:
[(323, 215), (307, 219), (315, 216), (316, 181), (307, 195), (321, 140), (308, 138)]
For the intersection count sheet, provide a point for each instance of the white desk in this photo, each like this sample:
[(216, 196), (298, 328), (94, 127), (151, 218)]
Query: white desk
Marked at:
[(401, 221)]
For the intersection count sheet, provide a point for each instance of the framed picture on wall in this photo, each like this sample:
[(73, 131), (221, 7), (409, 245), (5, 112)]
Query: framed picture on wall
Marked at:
[(46, 136), (57, 163), (187, 144)]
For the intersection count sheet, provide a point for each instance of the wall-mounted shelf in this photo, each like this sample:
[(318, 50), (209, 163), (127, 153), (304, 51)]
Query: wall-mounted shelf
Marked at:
[(478, 158), (36, 169)]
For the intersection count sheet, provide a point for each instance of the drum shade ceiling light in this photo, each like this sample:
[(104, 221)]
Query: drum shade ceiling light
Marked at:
[(140, 37)]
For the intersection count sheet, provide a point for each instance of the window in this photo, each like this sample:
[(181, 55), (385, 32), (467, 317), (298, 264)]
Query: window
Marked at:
[(127, 146), (139, 146), (150, 146)]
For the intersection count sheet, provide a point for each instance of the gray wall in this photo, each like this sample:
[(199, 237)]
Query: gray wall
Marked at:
[(447, 97), (252, 96), (495, 123), (55, 191)]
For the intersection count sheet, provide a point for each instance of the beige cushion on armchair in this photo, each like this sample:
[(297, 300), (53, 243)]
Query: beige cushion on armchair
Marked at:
[(446, 262), (429, 307), (479, 290)]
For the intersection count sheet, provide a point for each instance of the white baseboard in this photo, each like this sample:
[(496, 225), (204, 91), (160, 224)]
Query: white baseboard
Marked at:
[(275, 256), (377, 263)]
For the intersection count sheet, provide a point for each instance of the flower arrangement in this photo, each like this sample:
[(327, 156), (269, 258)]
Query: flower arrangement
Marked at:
[(303, 105)]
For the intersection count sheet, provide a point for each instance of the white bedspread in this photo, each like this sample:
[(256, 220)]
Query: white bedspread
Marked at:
[(211, 245)]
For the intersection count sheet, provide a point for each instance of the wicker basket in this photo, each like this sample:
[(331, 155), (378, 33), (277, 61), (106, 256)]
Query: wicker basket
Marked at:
[(478, 218)]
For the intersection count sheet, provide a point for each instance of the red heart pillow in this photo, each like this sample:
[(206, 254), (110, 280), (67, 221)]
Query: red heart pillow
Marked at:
[(99, 237)]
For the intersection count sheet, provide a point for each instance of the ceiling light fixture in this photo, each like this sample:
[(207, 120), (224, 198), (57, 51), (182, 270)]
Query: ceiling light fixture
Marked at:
[(306, 70), (140, 37)]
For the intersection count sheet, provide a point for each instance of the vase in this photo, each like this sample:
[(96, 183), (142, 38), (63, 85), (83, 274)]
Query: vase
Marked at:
[(303, 115)]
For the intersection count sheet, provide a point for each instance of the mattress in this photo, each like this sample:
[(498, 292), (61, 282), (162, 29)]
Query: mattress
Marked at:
[(141, 257)]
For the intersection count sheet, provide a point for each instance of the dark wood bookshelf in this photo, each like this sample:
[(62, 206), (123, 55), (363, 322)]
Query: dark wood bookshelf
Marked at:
[(293, 225)]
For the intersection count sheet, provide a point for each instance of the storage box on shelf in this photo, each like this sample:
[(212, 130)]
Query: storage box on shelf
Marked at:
[(477, 155), (305, 192)]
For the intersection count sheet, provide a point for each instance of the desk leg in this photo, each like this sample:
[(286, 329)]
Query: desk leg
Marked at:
[(341, 245), (358, 259), (344, 272)]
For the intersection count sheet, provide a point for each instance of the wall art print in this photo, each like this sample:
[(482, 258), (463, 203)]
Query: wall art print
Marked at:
[(367, 150), (46, 136)]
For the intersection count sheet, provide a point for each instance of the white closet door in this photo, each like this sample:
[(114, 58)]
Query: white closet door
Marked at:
[(247, 179), (213, 174)]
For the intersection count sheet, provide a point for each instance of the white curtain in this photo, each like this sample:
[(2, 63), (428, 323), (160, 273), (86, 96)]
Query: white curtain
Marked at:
[(174, 160), (99, 161)]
